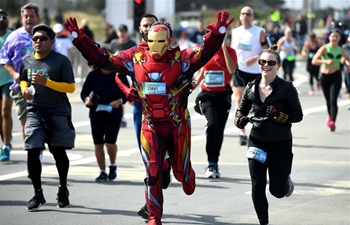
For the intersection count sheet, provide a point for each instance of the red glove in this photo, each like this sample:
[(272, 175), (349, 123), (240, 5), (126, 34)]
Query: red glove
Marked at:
[(272, 111), (72, 26), (129, 92), (221, 24)]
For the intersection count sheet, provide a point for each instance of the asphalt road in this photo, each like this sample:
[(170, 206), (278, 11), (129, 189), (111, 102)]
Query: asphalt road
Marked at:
[(321, 173)]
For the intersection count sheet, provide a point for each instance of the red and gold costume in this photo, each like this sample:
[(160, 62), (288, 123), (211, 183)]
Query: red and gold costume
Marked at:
[(161, 76)]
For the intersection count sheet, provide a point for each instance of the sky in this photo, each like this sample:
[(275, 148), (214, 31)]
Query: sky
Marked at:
[(338, 4)]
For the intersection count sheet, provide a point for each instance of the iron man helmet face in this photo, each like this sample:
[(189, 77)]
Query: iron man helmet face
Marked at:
[(158, 41)]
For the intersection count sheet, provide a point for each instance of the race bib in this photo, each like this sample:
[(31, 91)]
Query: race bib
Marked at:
[(311, 55), (214, 78), (256, 154), (105, 108), (154, 88), (244, 46)]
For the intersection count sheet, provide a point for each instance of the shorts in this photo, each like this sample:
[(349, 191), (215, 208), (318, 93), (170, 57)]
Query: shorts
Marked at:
[(105, 131), (57, 131), (241, 79), (5, 90), (20, 103)]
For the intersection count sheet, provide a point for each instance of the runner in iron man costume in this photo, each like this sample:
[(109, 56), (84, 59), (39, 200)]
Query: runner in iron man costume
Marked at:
[(162, 76)]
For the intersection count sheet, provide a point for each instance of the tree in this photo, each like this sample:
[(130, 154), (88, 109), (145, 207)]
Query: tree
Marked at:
[(13, 8)]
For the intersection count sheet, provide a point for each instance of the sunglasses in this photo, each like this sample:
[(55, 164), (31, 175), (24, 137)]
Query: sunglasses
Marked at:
[(247, 14), (262, 62), (3, 17), (41, 38)]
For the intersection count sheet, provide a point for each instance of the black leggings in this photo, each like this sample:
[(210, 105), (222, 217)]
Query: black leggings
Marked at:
[(331, 85), (34, 165), (279, 165), (216, 111), (288, 68)]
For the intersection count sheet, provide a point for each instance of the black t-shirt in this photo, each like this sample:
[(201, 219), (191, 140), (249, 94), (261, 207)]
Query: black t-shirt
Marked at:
[(55, 67)]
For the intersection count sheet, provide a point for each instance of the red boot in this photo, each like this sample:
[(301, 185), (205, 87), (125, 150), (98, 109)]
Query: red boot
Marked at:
[(190, 185)]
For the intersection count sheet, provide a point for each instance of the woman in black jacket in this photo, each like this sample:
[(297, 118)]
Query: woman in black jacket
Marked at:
[(276, 106)]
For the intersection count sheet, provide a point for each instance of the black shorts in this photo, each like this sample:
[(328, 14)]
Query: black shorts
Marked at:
[(104, 131), (241, 79)]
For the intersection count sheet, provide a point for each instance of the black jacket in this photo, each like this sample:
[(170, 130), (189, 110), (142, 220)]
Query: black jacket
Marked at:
[(284, 97)]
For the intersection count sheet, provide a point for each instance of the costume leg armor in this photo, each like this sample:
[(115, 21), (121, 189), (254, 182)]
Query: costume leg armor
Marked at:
[(153, 152), (181, 157)]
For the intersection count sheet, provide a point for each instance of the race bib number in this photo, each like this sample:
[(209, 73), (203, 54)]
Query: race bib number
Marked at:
[(245, 46), (154, 88), (214, 78), (256, 154), (311, 55), (104, 108)]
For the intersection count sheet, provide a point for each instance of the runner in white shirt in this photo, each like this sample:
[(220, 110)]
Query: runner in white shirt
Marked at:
[(248, 40)]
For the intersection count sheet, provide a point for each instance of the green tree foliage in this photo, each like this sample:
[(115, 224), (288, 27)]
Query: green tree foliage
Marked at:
[(13, 8)]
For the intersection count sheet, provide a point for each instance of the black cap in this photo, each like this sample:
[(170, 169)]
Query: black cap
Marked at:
[(123, 27), (3, 11)]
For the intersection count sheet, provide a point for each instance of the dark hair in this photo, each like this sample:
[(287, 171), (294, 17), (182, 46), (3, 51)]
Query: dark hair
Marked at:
[(273, 50), (166, 24), (312, 36), (31, 6), (147, 15), (42, 27)]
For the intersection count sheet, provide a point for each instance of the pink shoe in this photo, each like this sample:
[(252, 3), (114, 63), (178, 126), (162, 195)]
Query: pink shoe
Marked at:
[(328, 121), (332, 125), (319, 88), (311, 92)]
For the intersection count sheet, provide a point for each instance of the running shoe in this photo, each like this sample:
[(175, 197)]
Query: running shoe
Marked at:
[(291, 187), (102, 177), (166, 179), (143, 212), (36, 202), (218, 175), (243, 140), (112, 173), (5, 154), (332, 125), (311, 92), (212, 172), (123, 123), (62, 197), (328, 120)]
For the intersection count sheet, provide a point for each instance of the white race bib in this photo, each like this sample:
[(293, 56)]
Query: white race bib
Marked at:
[(256, 154), (214, 78), (106, 108), (154, 88)]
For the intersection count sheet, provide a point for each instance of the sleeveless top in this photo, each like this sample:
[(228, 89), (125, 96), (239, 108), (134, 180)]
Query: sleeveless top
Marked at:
[(287, 50), (247, 43), (332, 53)]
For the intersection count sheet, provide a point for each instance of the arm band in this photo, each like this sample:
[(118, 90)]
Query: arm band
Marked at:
[(60, 86), (264, 43)]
